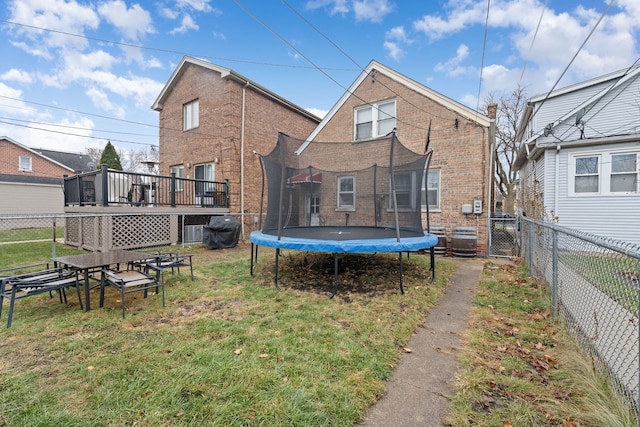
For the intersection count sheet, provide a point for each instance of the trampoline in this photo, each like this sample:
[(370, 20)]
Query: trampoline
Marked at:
[(327, 208)]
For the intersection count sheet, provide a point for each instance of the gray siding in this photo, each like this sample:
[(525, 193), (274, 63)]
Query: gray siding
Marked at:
[(31, 199)]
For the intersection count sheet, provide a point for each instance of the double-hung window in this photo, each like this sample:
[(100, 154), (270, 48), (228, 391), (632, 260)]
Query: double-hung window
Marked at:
[(191, 115), (346, 192), (374, 120), (24, 164), (179, 172), (624, 173), (587, 175), (404, 183), (608, 173), (431, 191)]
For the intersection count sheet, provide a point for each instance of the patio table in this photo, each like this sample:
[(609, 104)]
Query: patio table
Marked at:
[(97, 261)]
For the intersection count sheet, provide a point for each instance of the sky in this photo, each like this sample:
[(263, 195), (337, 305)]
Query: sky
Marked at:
[(76, 74)]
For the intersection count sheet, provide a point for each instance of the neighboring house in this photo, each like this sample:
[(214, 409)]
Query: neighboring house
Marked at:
[(579, 162), (31, 179), (460, 176), (213, 120)]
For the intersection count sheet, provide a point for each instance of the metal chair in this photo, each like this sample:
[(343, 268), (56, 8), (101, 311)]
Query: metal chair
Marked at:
[(29, 284), (131, 280)]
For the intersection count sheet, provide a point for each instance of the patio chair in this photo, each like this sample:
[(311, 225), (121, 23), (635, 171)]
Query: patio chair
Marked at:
[(131, 280), (165, 261), (35, 283)]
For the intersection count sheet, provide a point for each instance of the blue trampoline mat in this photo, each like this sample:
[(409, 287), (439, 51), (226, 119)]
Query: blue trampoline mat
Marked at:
[(345, 239)]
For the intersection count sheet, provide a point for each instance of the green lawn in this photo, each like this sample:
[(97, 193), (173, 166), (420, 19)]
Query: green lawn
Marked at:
[(229, 349)]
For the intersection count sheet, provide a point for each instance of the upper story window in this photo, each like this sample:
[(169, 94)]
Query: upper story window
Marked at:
[(346, 192), (191, 115), (25, 164), (606, 173), (374, 120), (179, 171), (405, 184)]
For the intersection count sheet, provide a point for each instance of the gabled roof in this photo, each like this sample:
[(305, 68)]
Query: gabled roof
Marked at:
[(40, 153), (616, 79), (74, 161), (459, 108), (227, 74)]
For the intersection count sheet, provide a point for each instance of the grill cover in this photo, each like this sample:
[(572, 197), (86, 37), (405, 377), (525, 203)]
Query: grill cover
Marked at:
[(221, 232)]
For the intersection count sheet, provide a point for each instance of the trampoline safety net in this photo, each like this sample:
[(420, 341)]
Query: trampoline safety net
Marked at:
[(371, 185)]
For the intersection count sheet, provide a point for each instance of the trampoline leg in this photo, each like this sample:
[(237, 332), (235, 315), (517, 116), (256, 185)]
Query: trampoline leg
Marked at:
[(335, 275), (432, 255), (251, 270), (275, 277), (401, 272)]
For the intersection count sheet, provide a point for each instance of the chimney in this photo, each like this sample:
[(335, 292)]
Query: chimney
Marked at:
[(492, 110)]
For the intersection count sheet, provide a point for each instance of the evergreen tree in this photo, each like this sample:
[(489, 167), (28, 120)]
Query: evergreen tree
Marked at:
[(110, 157)]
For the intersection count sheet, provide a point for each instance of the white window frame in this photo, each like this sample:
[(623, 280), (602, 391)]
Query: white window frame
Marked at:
[(191, 115), (629, 172), (411, 191), (425, 191), (25, 164), (377, 117), (179, 171), (339, 205), (605, 171)]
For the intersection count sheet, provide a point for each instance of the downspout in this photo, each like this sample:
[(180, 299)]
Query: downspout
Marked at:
[(242, 122)]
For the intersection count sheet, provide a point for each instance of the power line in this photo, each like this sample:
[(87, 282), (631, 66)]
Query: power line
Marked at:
[(573, 58), (535, 34), (160, 49), (78, 127), (75, 134), (484, 46), (342, 51)]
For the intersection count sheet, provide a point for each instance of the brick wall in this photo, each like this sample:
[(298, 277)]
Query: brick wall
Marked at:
[(9, 162), (218, 138), (461, 148)]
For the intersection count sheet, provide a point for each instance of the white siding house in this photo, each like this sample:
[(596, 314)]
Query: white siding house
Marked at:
[(579, 162)]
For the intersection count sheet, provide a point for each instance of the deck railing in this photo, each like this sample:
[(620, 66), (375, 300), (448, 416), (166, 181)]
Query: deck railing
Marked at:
[(108, 187)]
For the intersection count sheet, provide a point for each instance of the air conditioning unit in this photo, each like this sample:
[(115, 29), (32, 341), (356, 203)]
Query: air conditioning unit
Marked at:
[(193, 233)]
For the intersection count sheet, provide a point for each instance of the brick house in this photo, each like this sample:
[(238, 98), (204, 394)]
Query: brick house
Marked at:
[(32, 178), (213, 119), (460, 176)]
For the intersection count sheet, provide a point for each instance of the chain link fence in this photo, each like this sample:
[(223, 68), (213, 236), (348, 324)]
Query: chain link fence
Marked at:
[(502, 240), (594, 287)]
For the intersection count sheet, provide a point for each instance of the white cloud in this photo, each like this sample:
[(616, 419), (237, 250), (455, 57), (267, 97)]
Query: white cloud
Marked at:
[(372, 10), (11, 103), (100, 99), (187, 24), (393, 50), (197, 5), (453, 66), (133, 22), (17, 76), (59, 15), (318, 112), (363, 10)]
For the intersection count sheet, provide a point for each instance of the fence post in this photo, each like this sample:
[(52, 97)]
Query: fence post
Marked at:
[(53, 242), (172, 190), (105, 185), (530, 244), (554, 285)]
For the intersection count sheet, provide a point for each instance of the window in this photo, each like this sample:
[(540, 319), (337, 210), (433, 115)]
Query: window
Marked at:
[(346, 192), (431, 192), (25, 164), (404, 190), (191, 115), (624, 173), (587, 177), (607, 173), (204, 172), (179, 172), (375, 120)]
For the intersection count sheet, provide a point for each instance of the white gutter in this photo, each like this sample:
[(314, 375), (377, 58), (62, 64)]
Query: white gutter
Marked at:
[(555, 192)]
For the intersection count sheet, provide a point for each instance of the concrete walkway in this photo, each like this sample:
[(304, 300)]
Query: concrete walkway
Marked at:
[(418, 393)]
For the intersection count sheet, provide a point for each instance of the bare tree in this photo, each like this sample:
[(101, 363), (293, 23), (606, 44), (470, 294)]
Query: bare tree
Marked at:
[(509, 113), (94, 153)]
